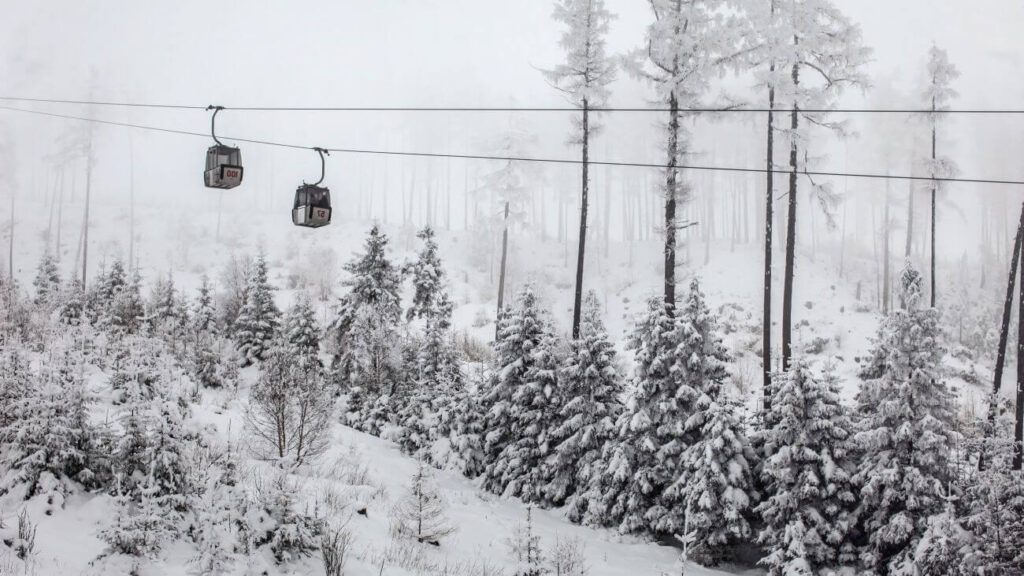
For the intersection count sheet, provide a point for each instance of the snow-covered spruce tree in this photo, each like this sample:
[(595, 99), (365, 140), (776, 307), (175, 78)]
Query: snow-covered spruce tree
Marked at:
[(217, 506), (427, 277), (429, 410), (590, 386), (366, 338), (906, 431), (289, 407), (994, 504), (16, 383), (142, 524), (259, 317), (468, 427), (716, 483), (203, 319), (942, 547), (680, 369), (936, 97), (101, 295), (525, 548), (274, 520), (47, 283), (375, 370), (165, 450), (421, 513), (47, 429), (584, 78), (631, 474), (806, 475), (167, 313), (72, 310), (125, 313), (301, 330), (520, 413), (207, 364)]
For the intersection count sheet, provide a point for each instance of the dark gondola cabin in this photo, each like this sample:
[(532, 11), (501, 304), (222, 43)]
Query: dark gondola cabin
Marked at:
[(312, 206), (223, 167)]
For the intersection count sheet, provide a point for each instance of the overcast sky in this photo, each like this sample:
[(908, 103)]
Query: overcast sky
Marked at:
[(426, 52)]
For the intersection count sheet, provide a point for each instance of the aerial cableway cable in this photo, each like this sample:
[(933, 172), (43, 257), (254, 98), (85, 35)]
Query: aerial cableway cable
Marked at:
[(632, 109), (733, 169)]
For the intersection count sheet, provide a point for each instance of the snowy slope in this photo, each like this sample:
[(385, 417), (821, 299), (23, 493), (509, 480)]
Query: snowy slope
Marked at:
[(828, 317)]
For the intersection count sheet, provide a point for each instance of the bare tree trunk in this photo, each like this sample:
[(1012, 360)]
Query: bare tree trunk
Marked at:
[(501, 277), (85, 223), (787, 286), (769, 197), (1018, 425), (997, 380), (910, 220), (885, 254), (581, 249), (607, 209), (131, 205), (60, 213), (934, 190), (670, 203), (10, 248)]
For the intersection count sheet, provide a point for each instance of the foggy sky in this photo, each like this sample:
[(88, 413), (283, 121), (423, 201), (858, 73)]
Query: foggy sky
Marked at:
[(429, 53)]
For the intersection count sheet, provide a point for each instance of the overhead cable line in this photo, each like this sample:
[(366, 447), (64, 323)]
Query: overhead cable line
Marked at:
[(640, 109), (524, 158)]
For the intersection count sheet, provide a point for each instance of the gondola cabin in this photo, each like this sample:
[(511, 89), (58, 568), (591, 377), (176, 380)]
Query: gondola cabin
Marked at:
[(312, 206), (223, 167)]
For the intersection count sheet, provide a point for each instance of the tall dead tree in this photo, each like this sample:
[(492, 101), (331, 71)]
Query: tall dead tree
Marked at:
[(687, 45), (938, 95), (1004, 330), (1018, 425), (584, 78), (821, 41)]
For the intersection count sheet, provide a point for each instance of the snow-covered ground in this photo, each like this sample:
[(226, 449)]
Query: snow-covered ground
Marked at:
[(828, 317)]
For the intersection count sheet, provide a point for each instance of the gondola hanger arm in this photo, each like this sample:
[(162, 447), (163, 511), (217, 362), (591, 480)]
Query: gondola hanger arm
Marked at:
[(323, 163), (213, 123)]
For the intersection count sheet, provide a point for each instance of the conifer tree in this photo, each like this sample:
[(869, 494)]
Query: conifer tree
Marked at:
[(301, 329), (44, 427), (367, 352), (73, 308), (208, 366), (259, 316), (942, 547), (906, 431), (526, 550), (806, 475), (519, 409), (218, 505), (428, 277), (126, 311), (680, 369), (166, 312), (716, 482), (47, 282), (428, 412), (421, 513), (142, 527), (590, 385), (274, 520), (204, 315)]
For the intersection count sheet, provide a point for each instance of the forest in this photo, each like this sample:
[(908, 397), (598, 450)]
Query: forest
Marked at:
[(684, 340)]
